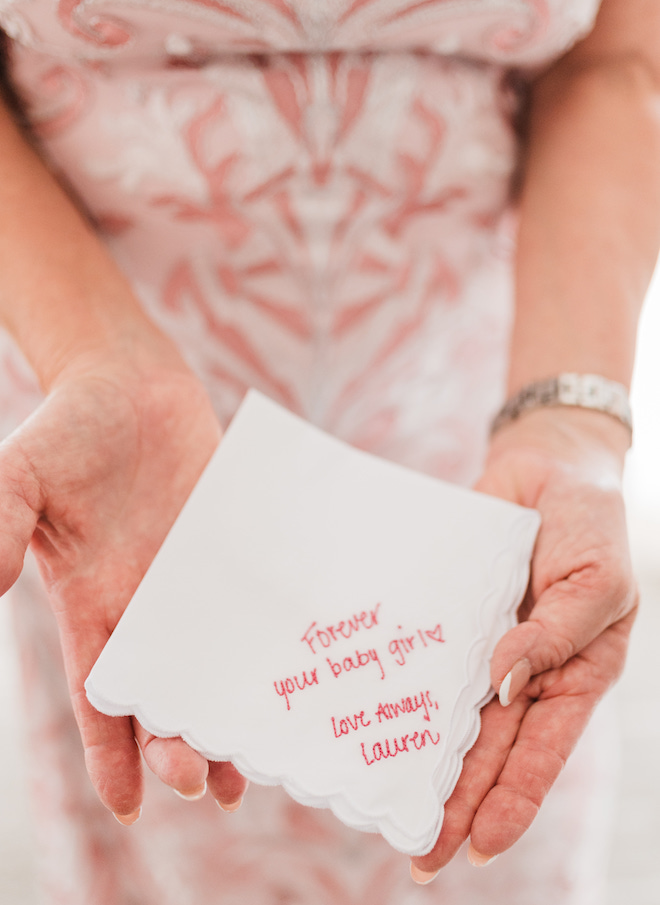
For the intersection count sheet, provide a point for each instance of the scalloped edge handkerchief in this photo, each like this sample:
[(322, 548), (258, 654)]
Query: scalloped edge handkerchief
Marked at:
[(324, 619)]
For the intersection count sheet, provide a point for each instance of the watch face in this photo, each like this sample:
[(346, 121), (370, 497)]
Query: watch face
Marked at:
[(581, 390)]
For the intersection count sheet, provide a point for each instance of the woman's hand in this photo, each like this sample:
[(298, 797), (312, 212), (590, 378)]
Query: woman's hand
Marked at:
[(587, 243), (570, 644), (93, 481)]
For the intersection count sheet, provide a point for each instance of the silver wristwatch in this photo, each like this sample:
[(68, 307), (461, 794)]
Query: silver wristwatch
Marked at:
[(588, 391)]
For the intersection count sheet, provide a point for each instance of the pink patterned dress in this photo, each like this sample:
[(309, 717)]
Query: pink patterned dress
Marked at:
[(310, 196)]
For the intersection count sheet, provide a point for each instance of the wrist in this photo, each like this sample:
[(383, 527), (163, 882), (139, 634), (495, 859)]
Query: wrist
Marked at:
[(586, 391), (134, 344), (590, 440), (75, 326)]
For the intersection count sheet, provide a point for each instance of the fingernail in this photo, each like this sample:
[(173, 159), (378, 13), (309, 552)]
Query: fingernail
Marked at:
[(230, 808), (128, 819), (514, 681), (477, 859), (192, 796), (422, 877)]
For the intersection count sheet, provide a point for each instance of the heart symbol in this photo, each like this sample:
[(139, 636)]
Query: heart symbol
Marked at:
[(435, 633)]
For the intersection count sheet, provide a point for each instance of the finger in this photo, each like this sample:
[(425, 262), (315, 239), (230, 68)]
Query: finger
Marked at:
[(565, 700), (112, 759), (547, 736), (174, 762), (112, 756), (481, 768), (226, 785), (565, 620), (519, 753)]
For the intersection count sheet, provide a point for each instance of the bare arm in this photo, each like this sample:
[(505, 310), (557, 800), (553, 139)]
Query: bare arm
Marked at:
[(590, 209), (95, 478), (61, 295), (588, 241)]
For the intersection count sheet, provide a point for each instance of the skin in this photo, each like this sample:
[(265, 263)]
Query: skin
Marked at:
[(574, 629), (588, 240), (81, 481)]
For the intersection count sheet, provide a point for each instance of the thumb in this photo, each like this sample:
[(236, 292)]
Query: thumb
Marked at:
[(18, 515), (565, 619)]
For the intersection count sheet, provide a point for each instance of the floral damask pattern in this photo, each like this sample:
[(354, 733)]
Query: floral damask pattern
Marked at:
[(514, 32), (304, 222), (311, 197)]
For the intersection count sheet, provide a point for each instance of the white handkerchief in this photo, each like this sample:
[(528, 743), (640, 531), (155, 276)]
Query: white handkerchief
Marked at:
[(325, 620)]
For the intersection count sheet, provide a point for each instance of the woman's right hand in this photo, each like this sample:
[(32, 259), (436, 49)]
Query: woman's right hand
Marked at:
[(95, 478), (92, 482)]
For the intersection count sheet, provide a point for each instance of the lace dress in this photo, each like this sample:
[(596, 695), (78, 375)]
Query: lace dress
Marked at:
[(311, 197)]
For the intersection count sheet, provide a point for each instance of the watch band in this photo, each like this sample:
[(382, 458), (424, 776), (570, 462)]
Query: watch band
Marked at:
[(590, 391)]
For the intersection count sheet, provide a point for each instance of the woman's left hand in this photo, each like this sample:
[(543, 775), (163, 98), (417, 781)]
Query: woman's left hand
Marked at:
[(570, 644)]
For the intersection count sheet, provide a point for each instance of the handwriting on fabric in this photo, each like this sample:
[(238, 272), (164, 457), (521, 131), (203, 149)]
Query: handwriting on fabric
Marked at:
[(330, 653)]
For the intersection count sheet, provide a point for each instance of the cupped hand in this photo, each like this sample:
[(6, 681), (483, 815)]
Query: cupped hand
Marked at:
[(570, 643), (92, 482)]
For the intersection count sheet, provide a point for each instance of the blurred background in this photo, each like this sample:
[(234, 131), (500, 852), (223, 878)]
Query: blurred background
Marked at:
[(634, 867)]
